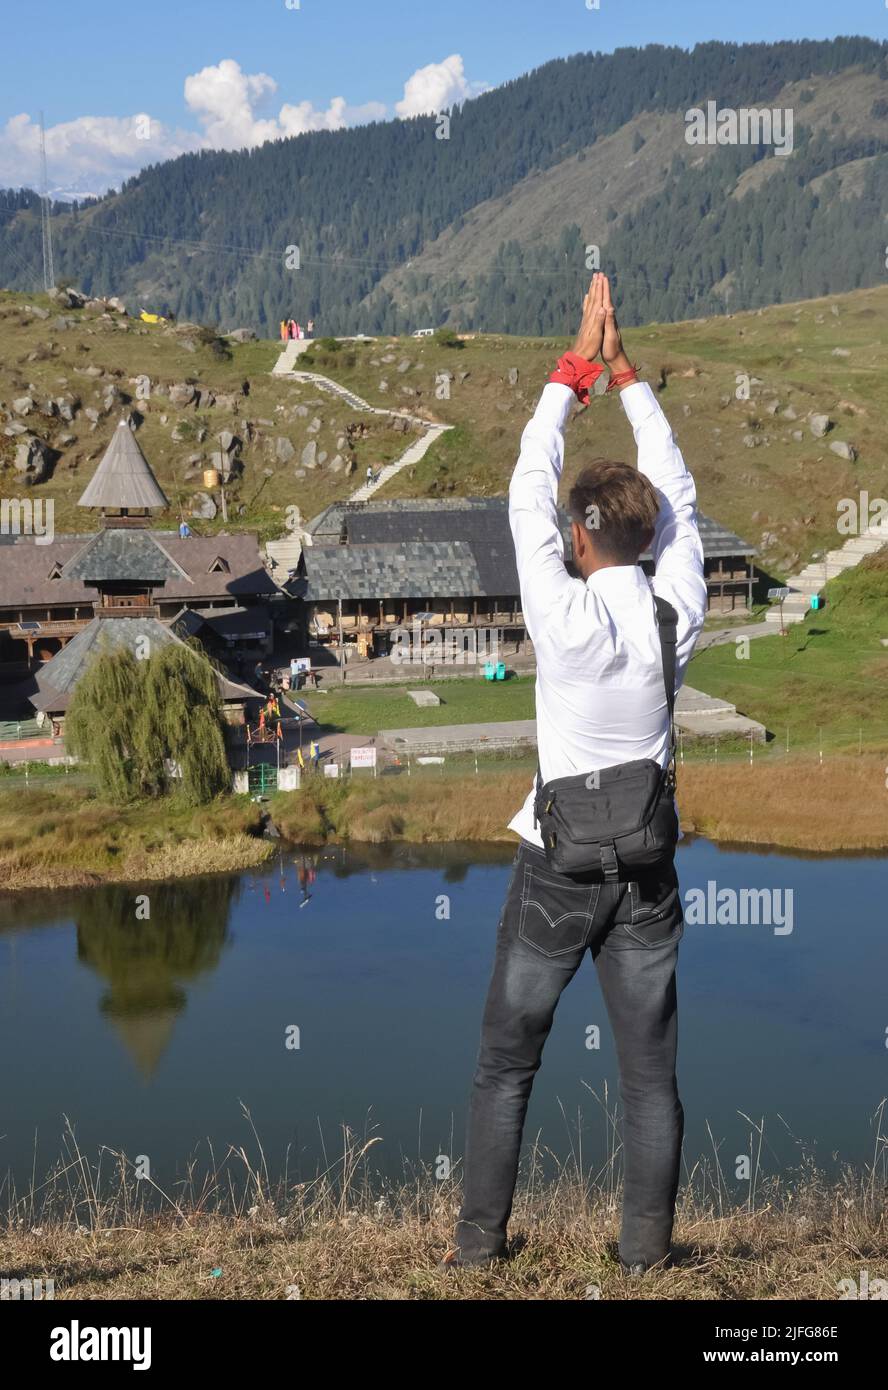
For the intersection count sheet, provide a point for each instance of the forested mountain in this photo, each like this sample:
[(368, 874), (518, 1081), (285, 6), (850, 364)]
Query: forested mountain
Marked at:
[(489, 228)]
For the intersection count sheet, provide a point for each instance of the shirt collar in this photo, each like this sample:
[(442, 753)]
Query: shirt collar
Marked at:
[(614, 578)]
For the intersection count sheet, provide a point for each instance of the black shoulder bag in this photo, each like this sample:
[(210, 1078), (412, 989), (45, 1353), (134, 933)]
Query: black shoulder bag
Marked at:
[(620, 821)]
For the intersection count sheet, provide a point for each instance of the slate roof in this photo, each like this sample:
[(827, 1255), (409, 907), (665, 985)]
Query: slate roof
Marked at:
[(57, 679), (415, 548), (718, 540), (483, 521), (25, 569), (120, 553), (222, 622), (123, 477), (413, 569)]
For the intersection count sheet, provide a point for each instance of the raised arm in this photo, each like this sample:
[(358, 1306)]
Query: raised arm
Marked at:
[(676, 548), (533, 512), (533, 491)]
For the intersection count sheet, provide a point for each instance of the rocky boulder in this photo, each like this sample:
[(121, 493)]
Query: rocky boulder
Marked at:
[(203, 508), (68, 298), (819, 425), (34, 460), (844, 450), (182, 394)]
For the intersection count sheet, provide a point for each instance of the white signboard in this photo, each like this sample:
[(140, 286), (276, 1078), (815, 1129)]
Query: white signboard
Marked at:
[(331, 769), (363, 757), (289, 779)]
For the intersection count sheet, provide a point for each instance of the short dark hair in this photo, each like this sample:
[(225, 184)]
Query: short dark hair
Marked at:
[(618, 505)]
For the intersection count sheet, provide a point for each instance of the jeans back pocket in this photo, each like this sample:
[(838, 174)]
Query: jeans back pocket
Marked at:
[(556, 915)]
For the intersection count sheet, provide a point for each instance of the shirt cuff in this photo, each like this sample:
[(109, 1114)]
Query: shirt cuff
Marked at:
[(555, 404)]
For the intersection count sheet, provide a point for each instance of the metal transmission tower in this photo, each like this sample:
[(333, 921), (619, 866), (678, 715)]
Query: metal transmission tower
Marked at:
[(45, 225)]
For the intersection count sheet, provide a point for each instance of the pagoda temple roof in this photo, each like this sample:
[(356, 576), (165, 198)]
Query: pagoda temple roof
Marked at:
[(118, 553), (123, 478)]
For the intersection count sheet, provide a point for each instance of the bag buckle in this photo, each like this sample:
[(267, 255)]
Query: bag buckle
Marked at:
[(609, 865)]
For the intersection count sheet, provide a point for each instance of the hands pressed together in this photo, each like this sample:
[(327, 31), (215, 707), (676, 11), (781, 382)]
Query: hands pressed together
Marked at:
[(599, 330)]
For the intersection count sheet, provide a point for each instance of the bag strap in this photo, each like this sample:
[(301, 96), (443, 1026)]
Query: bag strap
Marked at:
[(667, 630)]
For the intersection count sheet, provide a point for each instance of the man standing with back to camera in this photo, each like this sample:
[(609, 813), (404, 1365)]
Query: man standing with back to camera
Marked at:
[(595, 866)]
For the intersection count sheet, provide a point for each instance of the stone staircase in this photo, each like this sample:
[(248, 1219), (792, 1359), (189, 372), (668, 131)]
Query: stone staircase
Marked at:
[(283, 556), (705, 716), (815, 576), (287, 360), (285, 367), (411, 455)]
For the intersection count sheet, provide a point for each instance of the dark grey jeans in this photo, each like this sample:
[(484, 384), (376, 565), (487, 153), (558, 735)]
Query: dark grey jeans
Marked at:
[(548, 923)]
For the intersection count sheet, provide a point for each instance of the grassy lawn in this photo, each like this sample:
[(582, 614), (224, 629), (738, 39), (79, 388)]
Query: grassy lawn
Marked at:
[(829, 674), (471, 701)]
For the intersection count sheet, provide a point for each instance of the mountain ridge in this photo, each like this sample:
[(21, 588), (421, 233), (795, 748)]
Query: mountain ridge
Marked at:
[(374, 210)]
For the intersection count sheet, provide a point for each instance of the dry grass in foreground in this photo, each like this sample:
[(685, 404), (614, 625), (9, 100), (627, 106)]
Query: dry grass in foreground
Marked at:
[(789, 803), (64, 837), (792, 803), (343, 1237)]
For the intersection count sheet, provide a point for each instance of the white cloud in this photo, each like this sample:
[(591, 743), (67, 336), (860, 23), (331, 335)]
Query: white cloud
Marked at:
[(90, 153), (224, 99), (233, 109), (437, 87)]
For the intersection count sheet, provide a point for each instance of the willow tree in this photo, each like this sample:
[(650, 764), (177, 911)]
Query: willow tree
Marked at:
[(100, 721), (181, 722), (149, 726)]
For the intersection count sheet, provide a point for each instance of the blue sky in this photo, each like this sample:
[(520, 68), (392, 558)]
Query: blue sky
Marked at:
[(229, 72)]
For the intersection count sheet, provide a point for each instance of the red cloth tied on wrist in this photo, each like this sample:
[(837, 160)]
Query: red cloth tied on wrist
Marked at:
[(622, 378), (574, 371)]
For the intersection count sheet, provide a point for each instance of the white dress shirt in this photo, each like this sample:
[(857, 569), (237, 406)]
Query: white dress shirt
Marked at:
[(600, 697)]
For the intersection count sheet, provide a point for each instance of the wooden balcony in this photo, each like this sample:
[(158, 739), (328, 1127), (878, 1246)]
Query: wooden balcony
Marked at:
[(127, 610), (67, 627)]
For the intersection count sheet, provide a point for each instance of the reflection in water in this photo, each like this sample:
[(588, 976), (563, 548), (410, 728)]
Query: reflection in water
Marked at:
[(387, 994), (146, 962)]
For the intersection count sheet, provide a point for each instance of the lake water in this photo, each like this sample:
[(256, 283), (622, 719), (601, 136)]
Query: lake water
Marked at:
[(149, 1035)]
